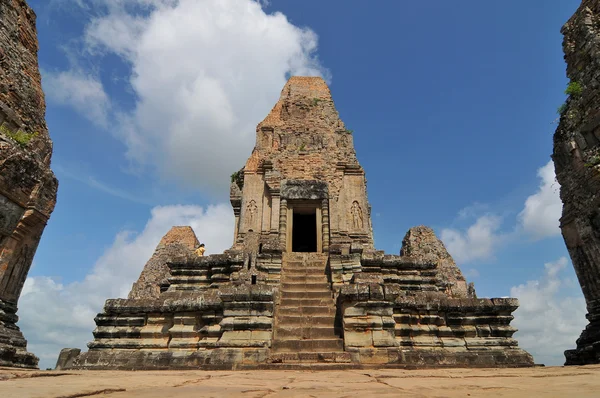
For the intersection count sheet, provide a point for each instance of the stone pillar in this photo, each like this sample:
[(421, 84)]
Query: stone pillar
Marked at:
[(275, 214), (283, 222), (236, 227), (325, 224)]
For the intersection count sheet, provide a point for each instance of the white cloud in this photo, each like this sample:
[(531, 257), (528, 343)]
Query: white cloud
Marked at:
[(543, 209), (478, 242), (548, 320), (203, 74), (55, 315), (83, 92)]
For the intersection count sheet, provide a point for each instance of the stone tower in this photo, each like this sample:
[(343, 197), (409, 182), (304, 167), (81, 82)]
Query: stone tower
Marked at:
[(27, 185), (577, 163), (302, 282), (302, 188)]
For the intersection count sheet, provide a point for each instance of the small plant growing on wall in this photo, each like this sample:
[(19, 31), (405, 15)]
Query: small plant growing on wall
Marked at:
[(574, 89), (302, 147), (561, 109), (594, 161), (315, 101), (20, 137), (349, 131)]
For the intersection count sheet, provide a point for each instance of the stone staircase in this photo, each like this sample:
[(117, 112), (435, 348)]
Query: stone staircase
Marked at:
[(304, 328)]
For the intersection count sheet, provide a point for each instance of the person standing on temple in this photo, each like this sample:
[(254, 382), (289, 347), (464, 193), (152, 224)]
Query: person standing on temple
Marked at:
[(200, 251)]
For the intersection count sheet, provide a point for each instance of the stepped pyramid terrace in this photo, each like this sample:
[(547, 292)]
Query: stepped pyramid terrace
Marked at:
[(302, 284)]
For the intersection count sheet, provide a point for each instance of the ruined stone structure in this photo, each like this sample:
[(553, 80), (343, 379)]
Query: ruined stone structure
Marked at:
[(27, 185), (577, 163), (303, 282)]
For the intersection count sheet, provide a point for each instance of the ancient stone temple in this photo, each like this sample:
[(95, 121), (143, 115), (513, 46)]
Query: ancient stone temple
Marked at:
[(577, 163), (27, 185), (303, 282)]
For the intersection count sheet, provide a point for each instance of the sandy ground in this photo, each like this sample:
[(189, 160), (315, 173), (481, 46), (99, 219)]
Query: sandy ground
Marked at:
[(531, 383)]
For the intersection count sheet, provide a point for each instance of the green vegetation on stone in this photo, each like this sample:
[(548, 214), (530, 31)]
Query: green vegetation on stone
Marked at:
[(20, 137), (561, 108), (574, 89), (302, 147), (349, 131), (594, 161), (315, 101)]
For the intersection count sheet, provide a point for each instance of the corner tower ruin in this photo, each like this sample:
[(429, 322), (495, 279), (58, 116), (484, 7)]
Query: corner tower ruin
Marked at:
[(302, 282)]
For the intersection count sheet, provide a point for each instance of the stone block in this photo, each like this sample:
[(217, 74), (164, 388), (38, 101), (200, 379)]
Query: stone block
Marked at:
[(449, 342), (355, 311), (354, 338), (66, 358), (384, 338), (373, 356)]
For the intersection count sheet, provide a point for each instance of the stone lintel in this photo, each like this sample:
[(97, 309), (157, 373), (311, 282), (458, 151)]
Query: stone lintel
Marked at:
[(304, 190)]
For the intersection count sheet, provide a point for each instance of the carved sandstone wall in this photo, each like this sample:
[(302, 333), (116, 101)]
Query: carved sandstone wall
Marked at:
[(302, 139), (27, 185), (577, 163)]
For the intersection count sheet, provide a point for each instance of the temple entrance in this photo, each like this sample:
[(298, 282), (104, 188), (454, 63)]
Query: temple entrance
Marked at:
[(304, 230), (304, 227)]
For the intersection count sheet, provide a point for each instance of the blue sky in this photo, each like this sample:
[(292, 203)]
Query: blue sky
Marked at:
[(152, 105)]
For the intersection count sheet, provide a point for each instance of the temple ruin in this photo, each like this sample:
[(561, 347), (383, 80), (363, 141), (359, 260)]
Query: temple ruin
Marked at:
[(27, 185), (577, 163), (302, 284)]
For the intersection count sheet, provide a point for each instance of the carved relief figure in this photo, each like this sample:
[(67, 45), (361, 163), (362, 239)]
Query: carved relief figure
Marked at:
[(251, 211), (357, 215), (343, 142)]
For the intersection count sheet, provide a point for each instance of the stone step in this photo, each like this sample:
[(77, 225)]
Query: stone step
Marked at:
[(302, 294), (322, 310), (286, 278), (304, 320), (304, 272), (304, 332), (311, 357), (305, 287), (301, 301), (304, 366), (316, 345)]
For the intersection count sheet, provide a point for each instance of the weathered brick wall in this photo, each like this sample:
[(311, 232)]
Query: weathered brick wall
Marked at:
[(577, 163), (303, 138)]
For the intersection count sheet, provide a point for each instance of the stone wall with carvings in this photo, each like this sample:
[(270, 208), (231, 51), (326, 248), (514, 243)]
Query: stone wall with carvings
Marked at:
[(303, 139), (27, 185)]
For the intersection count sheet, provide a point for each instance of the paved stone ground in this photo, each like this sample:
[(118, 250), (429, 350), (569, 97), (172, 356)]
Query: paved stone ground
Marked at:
[(573, 382)]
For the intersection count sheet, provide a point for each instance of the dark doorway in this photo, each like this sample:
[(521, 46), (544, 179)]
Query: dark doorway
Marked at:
[(304, 231)]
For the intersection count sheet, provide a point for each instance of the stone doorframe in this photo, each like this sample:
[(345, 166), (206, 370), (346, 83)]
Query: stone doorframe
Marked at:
[(304, 193), (303, 205)]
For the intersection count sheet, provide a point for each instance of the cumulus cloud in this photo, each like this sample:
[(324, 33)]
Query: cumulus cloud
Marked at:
[(542, 210), (203, 75), (551, 314), (54, 315), (477, 242), (81, 91), (538, 219)]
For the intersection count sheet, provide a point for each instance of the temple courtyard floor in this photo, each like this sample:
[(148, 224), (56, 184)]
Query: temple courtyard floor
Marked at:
[(572, 382)]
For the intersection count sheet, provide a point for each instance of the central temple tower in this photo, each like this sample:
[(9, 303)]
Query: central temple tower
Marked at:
[(302, 282), (302, 187)]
